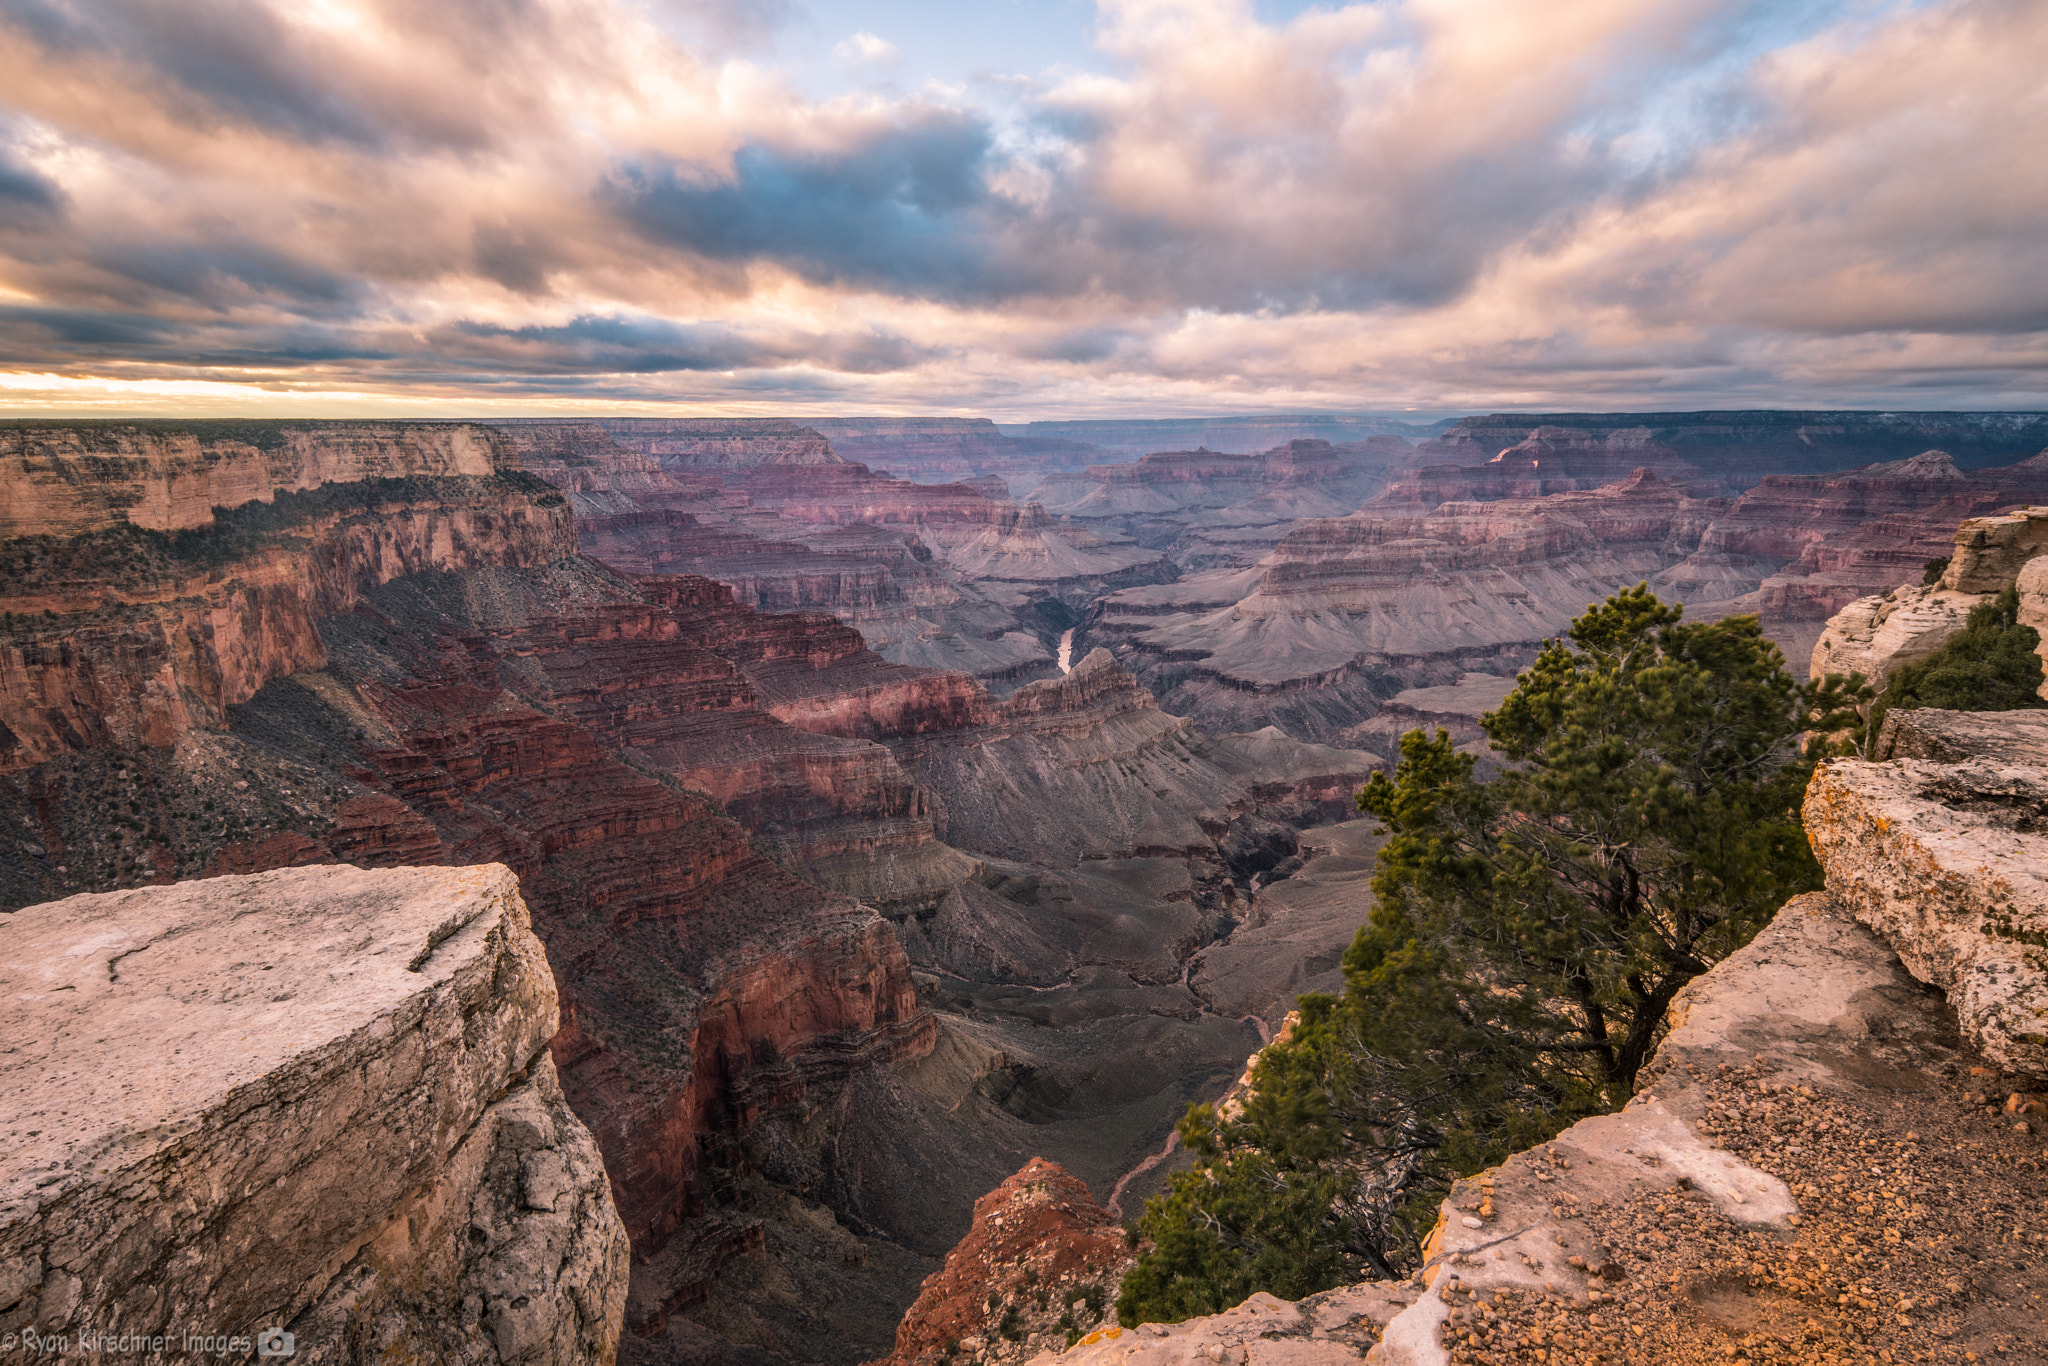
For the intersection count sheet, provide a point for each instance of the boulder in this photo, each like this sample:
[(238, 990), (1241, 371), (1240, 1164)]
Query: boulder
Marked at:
[(317, 1099), (1877, 635)]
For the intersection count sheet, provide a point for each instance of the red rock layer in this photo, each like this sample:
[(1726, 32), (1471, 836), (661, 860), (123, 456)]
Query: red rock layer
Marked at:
[(107, 652), (1040, 1250), (701, 982), (66, 481)]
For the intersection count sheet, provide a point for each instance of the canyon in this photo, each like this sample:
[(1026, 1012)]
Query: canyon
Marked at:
[(881, 834), (1317, 625), (838, 941)]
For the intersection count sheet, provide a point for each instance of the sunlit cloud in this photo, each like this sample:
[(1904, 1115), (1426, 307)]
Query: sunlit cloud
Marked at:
[(487, 207), (864, 49)]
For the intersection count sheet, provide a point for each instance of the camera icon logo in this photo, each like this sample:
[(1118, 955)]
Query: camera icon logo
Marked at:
[(275, 1342)]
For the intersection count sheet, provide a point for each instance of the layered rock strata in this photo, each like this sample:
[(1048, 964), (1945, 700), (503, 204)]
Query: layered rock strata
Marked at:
[(320, 1100), (1181, 500), (68, 479), (1133, 437), (1349, 611), (952, 576), (720, 442), (1735, 449), (117, 635), (943, 450)]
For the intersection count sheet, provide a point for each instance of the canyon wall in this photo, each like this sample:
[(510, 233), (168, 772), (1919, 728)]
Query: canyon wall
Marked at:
[(942, 450), (63, 479), (319, 1100), (117, 635), (1346, 612), (720, 442), (1133, 437), (1733, 450), (949, 576)]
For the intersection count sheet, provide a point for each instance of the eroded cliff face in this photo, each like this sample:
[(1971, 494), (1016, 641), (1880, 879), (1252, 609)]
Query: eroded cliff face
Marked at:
[(1323, 628), (320, 1100), (437, 697), (942, 450), (59, 479), (953, 576), (123, 637), (1733, 450)]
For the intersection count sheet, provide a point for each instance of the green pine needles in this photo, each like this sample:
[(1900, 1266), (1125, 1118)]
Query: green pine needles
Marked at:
[(1516, 971)]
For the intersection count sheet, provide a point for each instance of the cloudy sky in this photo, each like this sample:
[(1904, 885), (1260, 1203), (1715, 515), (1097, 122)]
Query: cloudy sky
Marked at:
[(1020, 208)]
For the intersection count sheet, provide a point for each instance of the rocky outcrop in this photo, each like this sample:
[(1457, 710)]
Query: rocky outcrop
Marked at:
[(1945, 861), (1039, 1265), (320, 1100), (1786, 1185), (1877, 635), (1321, 1330), (59, 479)]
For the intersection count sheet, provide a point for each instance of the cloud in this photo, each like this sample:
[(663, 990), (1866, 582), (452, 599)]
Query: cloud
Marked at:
[(1439, 202), (864, 49), (905, 207)]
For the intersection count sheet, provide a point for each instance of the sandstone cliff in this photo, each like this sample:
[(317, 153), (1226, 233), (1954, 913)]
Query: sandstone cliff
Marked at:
[(320, 1100), (116, 635), (66, 479)]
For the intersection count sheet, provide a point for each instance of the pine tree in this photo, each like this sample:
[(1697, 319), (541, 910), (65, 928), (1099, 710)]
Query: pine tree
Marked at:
[(1528, 936)]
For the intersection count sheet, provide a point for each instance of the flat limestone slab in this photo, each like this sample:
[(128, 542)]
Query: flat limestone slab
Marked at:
[(218, 1097)]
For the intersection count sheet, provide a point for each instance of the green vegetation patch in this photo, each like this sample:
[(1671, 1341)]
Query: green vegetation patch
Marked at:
[(1990, 665), (1515, 974)]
